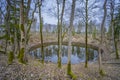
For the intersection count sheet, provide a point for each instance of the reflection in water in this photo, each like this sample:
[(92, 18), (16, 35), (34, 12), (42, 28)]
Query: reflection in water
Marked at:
[(77, 56)]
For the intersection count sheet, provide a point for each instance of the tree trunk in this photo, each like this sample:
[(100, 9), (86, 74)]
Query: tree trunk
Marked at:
[(58, 26), (116, 49), (10, 36), (15, 30), (41, 34), (86, 27), (60, 33), (100, 60), (112, 23), (22, 29), (102, 34), (70, 37), (29, 24), (103, 22), (114, 41)]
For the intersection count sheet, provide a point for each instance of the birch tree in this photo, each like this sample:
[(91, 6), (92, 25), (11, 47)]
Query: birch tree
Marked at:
[(69, 72), (58, 26), (102, 34), (60, 33), (41, 27)]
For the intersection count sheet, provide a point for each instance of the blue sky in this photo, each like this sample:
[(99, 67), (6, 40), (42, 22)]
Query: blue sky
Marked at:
[(95, 14), (47, 17), (50, 19)]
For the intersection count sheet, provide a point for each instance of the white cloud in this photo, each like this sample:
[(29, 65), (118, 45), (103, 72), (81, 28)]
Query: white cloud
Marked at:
[(49, 19)]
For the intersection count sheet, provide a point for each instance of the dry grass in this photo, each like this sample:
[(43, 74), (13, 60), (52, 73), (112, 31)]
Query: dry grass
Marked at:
[(35, 70)]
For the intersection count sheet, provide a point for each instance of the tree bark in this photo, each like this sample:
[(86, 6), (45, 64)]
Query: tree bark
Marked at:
[(86, 40), (102, 34), (112, 22), (22, 29), (114, 41), (70, 36), (60, 34), (10, 35), (41, 34), (103, 22)]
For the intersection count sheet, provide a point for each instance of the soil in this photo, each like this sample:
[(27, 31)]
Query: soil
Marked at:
[(35, 70)]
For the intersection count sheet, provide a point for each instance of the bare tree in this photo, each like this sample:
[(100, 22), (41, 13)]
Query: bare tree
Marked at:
[(60, 33), (112, 26), (25, 25), (41, 28), (58, 26), (86, 27), (11, 43), (22, 49), (69, 72), (102, 34)]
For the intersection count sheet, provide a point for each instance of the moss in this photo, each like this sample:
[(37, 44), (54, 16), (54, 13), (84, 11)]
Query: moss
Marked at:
[(18, 55), (2, 52), (40, 79), (86, 65), (12, 40), (81, 75), (116, 50), (42, 61), (86, 55), (42, 58), (95, 78), (21, 55), (36, 63), (23, 40), (102, 73), (59, 63), (22, 27), (73, 33), (73, 76), (94, 33), (89, 79), (69, 72), (10, 57), (69, 68)]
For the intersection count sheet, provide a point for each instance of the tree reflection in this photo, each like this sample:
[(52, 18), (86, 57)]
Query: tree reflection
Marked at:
[(78, 53)]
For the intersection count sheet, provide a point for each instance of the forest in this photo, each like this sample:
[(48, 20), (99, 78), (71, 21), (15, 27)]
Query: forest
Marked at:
[(59, 39)]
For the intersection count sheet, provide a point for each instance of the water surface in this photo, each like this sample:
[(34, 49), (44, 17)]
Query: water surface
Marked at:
[(77, 56)]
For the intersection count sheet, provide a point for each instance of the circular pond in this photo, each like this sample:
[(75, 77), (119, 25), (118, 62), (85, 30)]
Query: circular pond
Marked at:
[(77, 56)]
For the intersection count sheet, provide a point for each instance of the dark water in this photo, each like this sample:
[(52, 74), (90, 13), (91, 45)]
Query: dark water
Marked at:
[(77, 56)]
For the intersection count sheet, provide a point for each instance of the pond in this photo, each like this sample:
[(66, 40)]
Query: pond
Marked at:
[(77, 56)]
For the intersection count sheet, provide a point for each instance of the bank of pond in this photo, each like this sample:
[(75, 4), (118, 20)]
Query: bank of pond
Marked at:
[(77, 55)]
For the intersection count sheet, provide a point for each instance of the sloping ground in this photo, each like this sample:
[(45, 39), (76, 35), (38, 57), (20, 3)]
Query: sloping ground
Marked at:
[(34, 70), (77, 38)]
